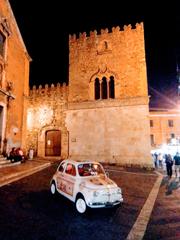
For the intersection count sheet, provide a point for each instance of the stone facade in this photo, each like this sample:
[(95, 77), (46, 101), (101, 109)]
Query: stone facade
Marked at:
[(104, 132), (103, 113), (14, 80), (46, 111), (164, 128), (119, 54)]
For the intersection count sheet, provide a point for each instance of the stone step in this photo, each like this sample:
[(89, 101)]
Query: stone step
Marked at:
[(4, 161), (9, 164)]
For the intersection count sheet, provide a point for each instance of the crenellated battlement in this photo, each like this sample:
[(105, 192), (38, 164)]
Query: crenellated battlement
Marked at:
[(119, 51), (60, 90), (114, 31)]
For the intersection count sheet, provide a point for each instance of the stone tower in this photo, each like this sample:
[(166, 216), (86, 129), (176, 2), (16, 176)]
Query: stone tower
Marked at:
[(115, 58), (103, 113), (107, 115)]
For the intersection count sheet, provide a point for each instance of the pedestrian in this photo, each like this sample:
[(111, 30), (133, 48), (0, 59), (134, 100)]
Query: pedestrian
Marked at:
[(12, 155), (177, 165), (169, 164), (155, 160), (160, 160)]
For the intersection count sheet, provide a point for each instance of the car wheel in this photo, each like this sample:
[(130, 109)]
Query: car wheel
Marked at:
[(53, 188), (81, 206)]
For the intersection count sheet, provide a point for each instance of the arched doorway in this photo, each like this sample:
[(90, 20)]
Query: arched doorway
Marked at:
[(53, 143)]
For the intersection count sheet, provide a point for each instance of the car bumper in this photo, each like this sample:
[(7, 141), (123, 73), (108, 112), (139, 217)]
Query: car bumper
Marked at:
[(104, 204)]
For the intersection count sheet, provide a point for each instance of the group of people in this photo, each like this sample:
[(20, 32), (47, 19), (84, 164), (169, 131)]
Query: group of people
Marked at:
[(16, 155), (169, 161)]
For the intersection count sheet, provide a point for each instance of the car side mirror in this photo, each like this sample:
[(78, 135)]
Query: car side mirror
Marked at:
[(107, 174)]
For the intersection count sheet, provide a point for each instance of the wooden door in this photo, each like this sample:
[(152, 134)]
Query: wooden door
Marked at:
[(53, 143)]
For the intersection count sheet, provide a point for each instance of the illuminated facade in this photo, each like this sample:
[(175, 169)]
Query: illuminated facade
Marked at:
[(165, 128), (103, 113), (14, 81), (47, 134)]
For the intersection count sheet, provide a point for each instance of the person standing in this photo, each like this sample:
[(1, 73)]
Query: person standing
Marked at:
[(177, 165), (160, 160), (169, 164), (12, 155), (155, 159)]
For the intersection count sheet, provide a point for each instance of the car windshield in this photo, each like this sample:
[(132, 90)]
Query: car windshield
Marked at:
[(90, 169)]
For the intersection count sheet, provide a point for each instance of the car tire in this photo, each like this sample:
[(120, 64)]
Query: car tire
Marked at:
[(81, 206), (53, 188)]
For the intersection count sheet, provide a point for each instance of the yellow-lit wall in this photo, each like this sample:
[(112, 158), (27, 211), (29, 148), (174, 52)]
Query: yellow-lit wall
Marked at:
[(113, 130), (161, 129), (15, 72)]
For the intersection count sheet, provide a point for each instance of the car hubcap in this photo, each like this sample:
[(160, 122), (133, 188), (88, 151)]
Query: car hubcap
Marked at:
[(53, 188), (81, 205)]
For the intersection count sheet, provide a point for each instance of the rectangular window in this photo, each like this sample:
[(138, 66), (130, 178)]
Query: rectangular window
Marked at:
[(151, 123), (2, 43), (172, 135), (170, 123), (152, 139)]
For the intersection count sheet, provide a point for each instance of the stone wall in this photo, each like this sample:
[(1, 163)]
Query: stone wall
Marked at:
[(109, 131), (46, 111), (119, 53), (113, 133), (14, 80), (113, 130)]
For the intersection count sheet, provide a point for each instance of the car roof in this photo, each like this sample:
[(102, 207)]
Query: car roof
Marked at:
[(77, 162)]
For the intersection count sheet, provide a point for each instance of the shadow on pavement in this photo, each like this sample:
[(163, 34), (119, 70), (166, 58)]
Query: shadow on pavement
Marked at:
[(171, 185)]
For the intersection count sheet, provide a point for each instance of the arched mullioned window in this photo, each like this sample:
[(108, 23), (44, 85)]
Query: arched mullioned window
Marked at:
[(111, 88), (104, 88), (97, 88)]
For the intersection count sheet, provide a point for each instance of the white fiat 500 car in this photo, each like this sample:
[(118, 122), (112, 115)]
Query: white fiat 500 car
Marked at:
[(86, 184)]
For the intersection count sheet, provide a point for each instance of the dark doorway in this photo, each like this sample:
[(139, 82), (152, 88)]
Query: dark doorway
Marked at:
[(53, 143)]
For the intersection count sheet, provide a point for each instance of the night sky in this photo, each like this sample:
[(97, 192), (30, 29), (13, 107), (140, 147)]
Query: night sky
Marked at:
[(45, 26)]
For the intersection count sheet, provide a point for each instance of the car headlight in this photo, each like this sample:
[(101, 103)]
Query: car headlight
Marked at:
[(96, 193)]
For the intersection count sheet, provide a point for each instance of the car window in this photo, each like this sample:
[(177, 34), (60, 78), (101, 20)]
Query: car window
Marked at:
[(62, 167), (70, 169), (90, 169)]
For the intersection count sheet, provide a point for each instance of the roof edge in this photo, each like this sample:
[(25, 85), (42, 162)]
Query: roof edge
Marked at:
[(18, 31)]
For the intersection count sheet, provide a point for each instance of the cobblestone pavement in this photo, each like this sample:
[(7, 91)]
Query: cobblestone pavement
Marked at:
[(13, 173), (29, 212), (164, 222), (139, 218)]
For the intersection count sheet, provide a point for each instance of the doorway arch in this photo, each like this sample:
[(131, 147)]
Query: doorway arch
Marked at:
[(53, 143)]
